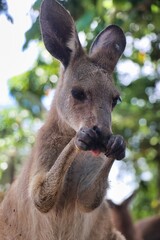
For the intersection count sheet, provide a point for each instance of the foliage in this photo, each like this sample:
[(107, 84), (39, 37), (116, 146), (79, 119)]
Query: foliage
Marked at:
[(29, 88), (4, 9), (137, 77), (17, 134)]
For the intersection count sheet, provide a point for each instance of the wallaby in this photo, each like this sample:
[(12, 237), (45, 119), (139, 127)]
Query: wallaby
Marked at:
[(59, 194), (146, 229)]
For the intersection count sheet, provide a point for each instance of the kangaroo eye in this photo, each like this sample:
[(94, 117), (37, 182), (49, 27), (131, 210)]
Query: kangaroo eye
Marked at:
[(116, 100), (78, 94)]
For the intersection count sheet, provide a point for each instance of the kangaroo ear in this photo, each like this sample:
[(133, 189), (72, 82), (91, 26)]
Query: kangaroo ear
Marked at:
[(111, 203), (128, 200), (58, 30), (108, 47)]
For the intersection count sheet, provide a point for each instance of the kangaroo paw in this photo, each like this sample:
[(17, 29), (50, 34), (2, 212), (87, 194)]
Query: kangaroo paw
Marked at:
[(115, 147), (87, 139)]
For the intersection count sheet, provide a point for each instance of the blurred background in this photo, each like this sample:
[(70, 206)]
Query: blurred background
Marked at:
[(28, 77)]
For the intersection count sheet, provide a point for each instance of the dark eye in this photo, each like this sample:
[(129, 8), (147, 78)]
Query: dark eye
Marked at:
[(115, 101), (78, 94)]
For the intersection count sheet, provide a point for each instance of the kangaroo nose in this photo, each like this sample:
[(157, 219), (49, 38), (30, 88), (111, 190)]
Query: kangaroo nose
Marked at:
[(103, 134), (97, 130), (102, 138), (102, 131)]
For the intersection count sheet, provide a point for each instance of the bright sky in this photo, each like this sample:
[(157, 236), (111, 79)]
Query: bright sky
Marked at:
[(12, 60)]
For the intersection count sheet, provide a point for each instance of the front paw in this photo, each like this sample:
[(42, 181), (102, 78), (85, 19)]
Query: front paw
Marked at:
[(87, 139), (115, 147)]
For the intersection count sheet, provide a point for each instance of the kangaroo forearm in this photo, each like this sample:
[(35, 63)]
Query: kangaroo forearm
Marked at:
[(46, 186)]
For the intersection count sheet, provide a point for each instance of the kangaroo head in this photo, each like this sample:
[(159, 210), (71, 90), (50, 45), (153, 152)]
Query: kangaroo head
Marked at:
[(86, 93)]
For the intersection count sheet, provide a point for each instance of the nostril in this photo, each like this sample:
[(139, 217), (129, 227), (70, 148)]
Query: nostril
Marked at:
[(100, 107), (96, 129)]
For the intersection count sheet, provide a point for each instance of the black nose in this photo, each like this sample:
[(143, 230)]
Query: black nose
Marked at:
[(103, 137), (101, 133), (97, 130)]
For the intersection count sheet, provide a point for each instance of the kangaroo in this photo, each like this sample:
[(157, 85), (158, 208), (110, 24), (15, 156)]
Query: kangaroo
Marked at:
[(122, 219), (149, 228), (59, 194), (146, 228)]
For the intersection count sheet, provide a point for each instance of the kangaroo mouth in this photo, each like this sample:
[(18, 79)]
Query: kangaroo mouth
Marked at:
[(96, 152), (92, 139)]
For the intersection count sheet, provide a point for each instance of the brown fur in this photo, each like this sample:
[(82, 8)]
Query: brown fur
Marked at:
[(146, 229), (122, 220), (2, 194), (149, 228), (60, 191)]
